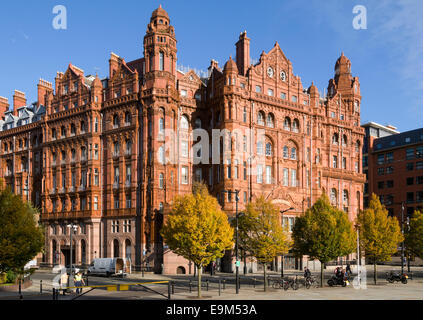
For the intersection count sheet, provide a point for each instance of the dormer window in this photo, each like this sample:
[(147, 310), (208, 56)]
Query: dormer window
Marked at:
[(65, 89), (75, 86)]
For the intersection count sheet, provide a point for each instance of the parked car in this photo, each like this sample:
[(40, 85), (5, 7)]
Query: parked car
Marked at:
[(110, 267)]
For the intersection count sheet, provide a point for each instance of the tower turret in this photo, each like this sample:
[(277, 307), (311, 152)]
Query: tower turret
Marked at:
[(160, 50)]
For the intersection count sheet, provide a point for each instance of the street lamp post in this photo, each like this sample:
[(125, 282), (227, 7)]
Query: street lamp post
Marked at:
[(358, 255), (283, 256), (402, 231), (72, 228), (236, 192)]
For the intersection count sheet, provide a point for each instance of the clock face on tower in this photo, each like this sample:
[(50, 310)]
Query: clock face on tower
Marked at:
[(270, 72), (283, 76)]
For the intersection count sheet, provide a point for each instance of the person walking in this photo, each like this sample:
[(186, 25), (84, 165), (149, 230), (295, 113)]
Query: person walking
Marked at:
[(79, 282), (349, 269)]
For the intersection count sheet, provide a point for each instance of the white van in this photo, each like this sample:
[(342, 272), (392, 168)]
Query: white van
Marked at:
[(110, 267)]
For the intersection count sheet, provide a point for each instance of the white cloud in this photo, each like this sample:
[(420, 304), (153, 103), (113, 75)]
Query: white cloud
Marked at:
[(398, 25)]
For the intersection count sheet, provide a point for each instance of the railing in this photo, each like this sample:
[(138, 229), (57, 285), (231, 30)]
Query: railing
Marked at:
[(116, 185), (62, 190), (53, 191), (71, 189), (81, 188)]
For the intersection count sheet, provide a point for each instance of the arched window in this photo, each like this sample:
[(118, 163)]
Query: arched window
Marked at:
[(287, 124), (128, 147), (357, 146), (116, 148), (128, 118), (128, 249), (270, 121), (296, 125), (63, 132), (116, 252), (335, 139), (82, 127), (150, 61), (73, 129), (344, 140), (162, 155), (83, 252), (161, 61), (333, 197), (73, 154), (260, 118), (161, 181), (83, 153), (184, 123), (268, 149), (285, 152), (115, 121), (198, 123), (161, 125), (294, 154)]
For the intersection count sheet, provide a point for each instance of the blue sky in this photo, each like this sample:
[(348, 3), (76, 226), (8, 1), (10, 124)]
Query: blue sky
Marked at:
[(387, 56)]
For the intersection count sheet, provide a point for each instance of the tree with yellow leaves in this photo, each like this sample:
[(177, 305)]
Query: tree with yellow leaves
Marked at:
[(414, 236), (197, 229), (380, 234), (261, 233), (324, 233)]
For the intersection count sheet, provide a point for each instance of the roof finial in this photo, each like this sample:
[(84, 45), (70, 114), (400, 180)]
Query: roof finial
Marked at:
[(160, 6)]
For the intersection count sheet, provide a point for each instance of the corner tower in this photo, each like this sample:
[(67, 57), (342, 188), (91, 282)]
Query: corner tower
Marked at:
[(160, 50)]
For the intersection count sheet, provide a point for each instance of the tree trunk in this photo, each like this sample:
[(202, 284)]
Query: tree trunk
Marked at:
[(265, 280), (321, 273), (199, 281), (374, 270)]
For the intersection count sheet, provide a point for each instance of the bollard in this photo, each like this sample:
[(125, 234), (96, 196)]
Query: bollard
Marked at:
[(20, 286), (41, 286), (220, 283), (169, 290), (254, 279), (190, 286), (207, 285), (173, 287), (224, 284), (87, 281), (54, 294)]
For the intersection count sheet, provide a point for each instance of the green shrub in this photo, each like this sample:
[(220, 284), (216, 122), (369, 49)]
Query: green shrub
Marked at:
[(2, 278), (10, 277)]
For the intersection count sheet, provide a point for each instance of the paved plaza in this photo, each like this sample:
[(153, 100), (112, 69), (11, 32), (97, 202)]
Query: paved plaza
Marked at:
[(251, 288)]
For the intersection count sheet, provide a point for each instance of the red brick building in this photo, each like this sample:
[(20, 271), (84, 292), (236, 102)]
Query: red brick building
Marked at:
[(97, 150), (396, 172)]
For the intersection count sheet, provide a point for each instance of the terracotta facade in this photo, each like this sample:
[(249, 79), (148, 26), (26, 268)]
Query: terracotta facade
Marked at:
[(95, 155)]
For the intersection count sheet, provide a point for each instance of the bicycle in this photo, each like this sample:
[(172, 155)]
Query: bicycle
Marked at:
[(310, 281), (290, 283), (277, 284)]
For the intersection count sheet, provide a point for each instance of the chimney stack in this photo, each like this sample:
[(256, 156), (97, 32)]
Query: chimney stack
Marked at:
[(243, 53), (44, 88), (19, 101), (4, 106)]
